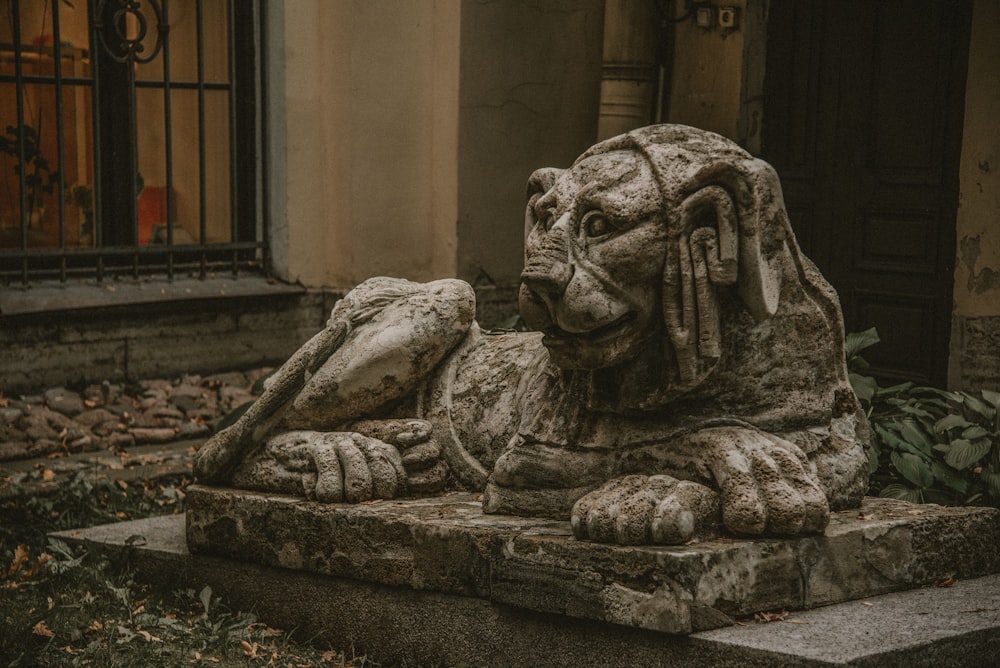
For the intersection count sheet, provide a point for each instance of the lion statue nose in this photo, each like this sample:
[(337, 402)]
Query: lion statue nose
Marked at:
[(547, 280), (547, 268)]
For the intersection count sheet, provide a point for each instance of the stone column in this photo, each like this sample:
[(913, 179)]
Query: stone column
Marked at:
[(630, 73)]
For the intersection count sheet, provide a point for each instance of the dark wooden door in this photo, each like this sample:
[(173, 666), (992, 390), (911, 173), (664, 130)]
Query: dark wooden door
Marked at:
[(863, 121)]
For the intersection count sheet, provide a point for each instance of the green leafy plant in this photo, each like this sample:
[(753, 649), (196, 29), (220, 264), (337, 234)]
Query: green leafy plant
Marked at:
[(928, 445), (39, 178), (82, 196)]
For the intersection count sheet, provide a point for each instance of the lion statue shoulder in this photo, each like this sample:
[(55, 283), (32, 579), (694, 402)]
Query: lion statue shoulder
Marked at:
[(685, 374)]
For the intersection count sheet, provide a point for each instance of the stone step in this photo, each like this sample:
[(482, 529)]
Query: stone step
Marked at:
[(956, 624), (448, 545)]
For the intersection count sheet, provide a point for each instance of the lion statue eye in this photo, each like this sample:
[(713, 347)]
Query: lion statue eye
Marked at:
[(548, 219), (596, 224)]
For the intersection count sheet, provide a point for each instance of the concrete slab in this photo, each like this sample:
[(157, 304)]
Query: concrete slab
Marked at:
[(958, 625), (448, 545)]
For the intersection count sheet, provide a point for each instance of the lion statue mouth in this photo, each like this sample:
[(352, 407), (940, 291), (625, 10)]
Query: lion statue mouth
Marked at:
[(556, 335)]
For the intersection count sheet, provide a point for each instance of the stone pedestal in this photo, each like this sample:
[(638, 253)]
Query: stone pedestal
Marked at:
[(448, 546)]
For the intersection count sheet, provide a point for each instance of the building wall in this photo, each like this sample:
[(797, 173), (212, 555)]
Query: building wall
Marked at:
[(402, 134), (706, 76), (363, 112), (975, 359), (530, 86)]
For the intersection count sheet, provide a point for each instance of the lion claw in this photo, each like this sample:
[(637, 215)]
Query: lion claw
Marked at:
[(637, 509)]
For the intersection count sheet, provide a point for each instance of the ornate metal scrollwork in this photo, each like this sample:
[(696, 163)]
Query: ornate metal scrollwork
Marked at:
[(117, 42)]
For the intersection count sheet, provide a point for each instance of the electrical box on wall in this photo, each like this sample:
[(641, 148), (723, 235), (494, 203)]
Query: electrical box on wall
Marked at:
[(729, 18), (709, 17), (704, 15)]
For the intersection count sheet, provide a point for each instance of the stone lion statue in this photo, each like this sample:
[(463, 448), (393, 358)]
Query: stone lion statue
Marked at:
[(687, 370)]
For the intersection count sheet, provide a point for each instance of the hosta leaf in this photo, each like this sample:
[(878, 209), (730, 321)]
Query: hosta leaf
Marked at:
[(950, 421), (913, 468), (863, 386), (974, 432), (901, 492), (914, 434), (949, 477), (855, 342), (911, 409), (992, 483), (894, 441), (896, 389), (992, 397), (963, 454), (979, 406), (874, 456)]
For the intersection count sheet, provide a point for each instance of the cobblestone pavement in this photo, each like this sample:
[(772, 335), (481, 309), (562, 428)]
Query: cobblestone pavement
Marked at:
[(148, 427)]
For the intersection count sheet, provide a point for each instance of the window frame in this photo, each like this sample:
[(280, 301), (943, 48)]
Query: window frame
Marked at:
[(116, 249)]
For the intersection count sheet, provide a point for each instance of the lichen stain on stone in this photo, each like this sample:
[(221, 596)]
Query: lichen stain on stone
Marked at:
[(289, 556), (986, 278)]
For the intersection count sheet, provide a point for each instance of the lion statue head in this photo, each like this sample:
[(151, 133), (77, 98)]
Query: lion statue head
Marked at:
[(670, 246)]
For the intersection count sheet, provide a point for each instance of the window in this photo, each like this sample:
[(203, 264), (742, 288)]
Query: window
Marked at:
[(131, 134)]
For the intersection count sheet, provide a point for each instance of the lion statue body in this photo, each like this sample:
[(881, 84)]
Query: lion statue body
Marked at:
[(687, 370)]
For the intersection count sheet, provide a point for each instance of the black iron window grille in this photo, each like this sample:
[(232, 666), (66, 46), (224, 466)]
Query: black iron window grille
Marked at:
[(130, 134)]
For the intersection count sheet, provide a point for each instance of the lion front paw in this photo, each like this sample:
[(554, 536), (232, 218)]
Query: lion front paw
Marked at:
[(327, 466), (638, 509), (766, 483), (426, 470)]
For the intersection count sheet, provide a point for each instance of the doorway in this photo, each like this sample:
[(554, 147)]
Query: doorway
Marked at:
[(863, 111)]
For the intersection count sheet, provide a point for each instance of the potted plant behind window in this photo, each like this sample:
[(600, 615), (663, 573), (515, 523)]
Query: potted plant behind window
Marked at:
[(39, 178)]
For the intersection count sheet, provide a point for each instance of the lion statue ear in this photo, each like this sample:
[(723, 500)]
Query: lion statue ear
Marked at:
[(716, 241), (539, 183)]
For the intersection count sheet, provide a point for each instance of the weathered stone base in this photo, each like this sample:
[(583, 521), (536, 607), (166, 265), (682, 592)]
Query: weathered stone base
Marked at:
[(447, 545), (937, 627)]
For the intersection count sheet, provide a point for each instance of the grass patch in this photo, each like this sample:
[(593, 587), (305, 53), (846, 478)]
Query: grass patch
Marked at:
[(61, 606)]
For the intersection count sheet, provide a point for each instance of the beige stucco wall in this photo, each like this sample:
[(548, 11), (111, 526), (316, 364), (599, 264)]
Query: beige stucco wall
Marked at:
[(387, 160), (977, 271), (706, 77), (529, 95), (364, 114)]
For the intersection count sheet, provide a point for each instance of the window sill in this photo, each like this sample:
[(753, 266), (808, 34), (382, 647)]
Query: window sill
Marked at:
[(49, 296)]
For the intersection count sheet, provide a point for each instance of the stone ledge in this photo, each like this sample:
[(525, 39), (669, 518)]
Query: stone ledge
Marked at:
[(447, 545), (937, 627)]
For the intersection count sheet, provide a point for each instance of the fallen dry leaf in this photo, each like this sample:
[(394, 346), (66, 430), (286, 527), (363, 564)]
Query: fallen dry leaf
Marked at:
[(249, 650), (48, 474), (20, 557), (149, 637), (868, 604), (42, 629), (767, 617), (946, 582)]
